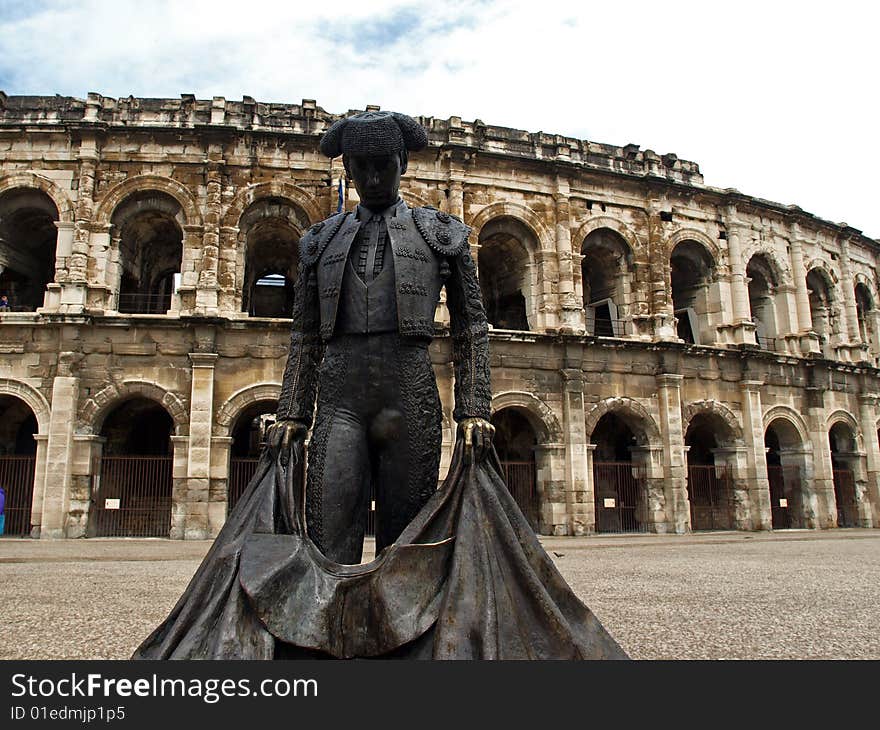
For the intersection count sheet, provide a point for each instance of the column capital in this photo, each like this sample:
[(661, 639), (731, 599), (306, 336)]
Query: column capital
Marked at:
[(203, 359)]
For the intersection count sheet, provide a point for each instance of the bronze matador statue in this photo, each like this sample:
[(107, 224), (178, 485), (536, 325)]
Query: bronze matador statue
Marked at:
[(369, 282)]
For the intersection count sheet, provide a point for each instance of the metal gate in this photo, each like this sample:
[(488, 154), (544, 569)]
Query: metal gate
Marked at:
[(240, 473), (709, 490), (132, 497), (845, 497), (619, 488), (17, 480), (784, 480), (521, 483)]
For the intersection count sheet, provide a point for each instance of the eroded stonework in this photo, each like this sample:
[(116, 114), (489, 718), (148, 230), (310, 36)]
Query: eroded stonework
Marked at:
[(649, 331)]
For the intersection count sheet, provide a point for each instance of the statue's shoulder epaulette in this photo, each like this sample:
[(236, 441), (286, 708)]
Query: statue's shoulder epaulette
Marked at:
[(313, 243), (443, 232)]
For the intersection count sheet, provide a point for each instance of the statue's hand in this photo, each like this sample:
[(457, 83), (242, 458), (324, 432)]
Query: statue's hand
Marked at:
[(282, 435), (478, 433)]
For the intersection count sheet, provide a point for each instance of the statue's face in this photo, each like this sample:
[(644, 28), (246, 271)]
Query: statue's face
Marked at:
[(377, 179)]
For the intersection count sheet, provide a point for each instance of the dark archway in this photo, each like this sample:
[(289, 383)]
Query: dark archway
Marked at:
[(786, 473), (823, 312), (132, 496), (18, 449), (710, 479), (504, 273), (864, 306), (248, 437), (691, 271), (27, 247), (605, 270), (150, 240), (843, 460), (271, 233), (763, 282), (515, 442), (619, 482)]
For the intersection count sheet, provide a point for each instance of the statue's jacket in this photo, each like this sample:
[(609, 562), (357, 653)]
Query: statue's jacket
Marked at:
[(429, 249)]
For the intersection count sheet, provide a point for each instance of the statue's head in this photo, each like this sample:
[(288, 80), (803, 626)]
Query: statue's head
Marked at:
[(374, 147)]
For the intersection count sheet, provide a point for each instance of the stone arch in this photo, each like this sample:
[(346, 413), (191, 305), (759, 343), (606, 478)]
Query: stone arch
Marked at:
[(869, 284), (713, 407), (29, 180), (631, 411), (827, 274), (145, 183), (790, 415), (518, 212), (296, 195), (692, 234), (31, 397), (96, 408), (842, 416), (414, 200), (780, 271), (241, 399), (605, 221), (541, 417)]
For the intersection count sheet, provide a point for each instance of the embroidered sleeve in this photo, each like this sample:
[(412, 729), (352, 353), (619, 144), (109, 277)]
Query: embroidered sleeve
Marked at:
[(297, 400), (470, 339)]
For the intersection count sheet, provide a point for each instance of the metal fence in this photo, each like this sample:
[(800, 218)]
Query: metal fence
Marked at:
[(144, 303), (132, 497), (710, 496), (17, 480), (784, 481), (521, 483), (240, 473), (845, 497), (619, 488)]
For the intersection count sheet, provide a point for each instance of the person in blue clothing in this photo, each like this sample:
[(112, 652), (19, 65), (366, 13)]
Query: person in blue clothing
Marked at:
[(2, 510)]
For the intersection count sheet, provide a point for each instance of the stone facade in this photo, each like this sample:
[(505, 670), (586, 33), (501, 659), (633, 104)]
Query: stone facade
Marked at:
[(644, 323)]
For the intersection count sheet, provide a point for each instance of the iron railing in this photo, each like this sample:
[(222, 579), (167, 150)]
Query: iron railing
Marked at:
[(609, 327), (710, 496), (144, 303), (619, 488), (132, 497), (785, 483), (520, 479), (17, 480), (845, 497)]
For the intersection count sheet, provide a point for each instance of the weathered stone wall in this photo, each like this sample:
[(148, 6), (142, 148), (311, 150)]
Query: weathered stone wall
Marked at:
[(197, 167)]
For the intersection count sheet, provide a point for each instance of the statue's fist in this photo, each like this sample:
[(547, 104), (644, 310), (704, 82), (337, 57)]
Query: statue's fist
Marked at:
[(478, 433), (282, 434)]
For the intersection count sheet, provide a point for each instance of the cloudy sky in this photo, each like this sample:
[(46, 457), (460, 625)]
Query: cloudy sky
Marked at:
[(777, 99)]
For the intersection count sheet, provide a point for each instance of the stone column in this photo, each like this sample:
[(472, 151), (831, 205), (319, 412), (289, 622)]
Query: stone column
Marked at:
[(198, 471), (809, 339), (550, 464), (753, 434), (743, 326), (571, 310), (581, 510), (659, 273), (589, 481), (823, 477), (229, 278), (63, 250), (39, 484), (179, 487), (207, 287), (59, 448), (868, 418), (218, 494), (857, 352), (677, 507)]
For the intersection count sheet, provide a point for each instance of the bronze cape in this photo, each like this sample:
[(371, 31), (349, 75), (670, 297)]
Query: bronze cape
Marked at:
[(467, 579)]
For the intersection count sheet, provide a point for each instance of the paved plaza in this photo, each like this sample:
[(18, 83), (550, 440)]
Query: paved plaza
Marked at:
[(785, 595)]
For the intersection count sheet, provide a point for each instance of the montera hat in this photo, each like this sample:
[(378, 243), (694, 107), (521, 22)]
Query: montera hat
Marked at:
[(373, 134)]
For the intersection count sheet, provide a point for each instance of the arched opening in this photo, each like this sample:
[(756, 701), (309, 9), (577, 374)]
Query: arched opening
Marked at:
[(149, 226), (505, 276), (132, 494), (18, 450), (248, 437), (691, 272), (27, 247), (515, 442), (605, 268), (844, 457), (786, 473), (619, 481), (864, 305), (271, 232), (822, 310), (710, 478), (762, 283)]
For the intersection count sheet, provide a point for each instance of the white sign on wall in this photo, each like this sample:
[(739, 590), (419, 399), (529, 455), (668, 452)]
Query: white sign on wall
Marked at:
[(610, 502), (783, 502), (111, 503)]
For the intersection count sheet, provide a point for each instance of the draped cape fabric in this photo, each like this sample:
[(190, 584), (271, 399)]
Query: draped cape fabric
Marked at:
[(467, 579)]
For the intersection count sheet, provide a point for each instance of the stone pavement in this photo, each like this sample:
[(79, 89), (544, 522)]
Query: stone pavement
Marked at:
[(792, 594)]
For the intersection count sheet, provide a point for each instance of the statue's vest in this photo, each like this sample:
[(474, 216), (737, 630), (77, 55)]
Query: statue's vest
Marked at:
[(420, 239)]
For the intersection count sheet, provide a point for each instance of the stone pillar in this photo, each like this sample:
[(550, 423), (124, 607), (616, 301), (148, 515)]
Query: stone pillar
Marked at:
[(659, 274), (868, 422), (198, 470), (589, 481), (857, 352), (550, 464), (571, 310), (59, 448), (653, 508), (809, 339), (179, 487), (735, 459), (63, 250), (677, 508), (207, 288), (581, 510), (743, 327), (230, 279), (823, 477), (753, 434), (39, 484), (221, 446)]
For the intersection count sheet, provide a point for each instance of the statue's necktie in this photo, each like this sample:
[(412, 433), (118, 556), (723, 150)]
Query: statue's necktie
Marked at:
[(375, 227)]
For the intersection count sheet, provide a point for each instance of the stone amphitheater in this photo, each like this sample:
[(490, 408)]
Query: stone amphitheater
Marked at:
[(666, 356)]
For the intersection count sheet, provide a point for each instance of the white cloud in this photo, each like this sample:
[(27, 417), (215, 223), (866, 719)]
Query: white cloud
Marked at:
[(776, 99)]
